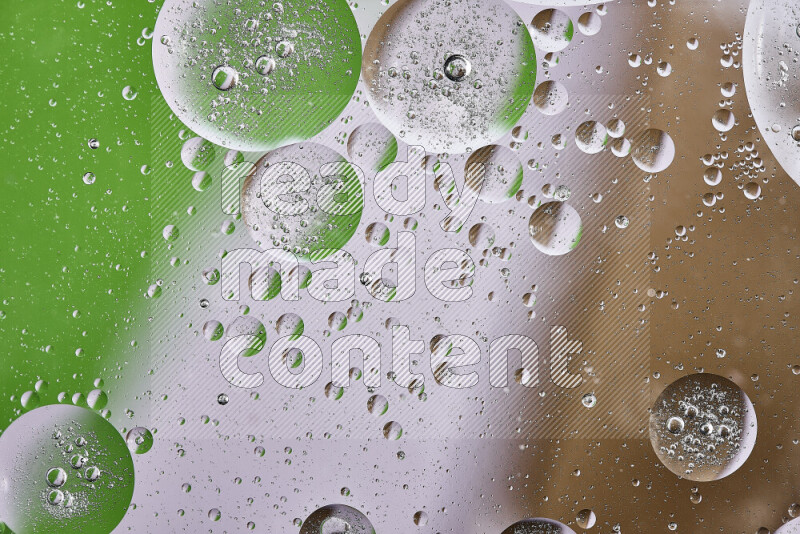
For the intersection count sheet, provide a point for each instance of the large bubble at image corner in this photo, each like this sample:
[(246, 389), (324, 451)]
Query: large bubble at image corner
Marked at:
[(771, 65), (333, 204), (703, 427), (792, 527), (64, 469), (251, 77), (538, 525), (337, 519), (449, 75), (555, 228)]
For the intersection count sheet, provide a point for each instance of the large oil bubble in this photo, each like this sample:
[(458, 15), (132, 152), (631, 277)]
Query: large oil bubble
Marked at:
[(449, 75), (63, 469), (792, 527), (337, 519), (251, 77), (503, 173), (653, 150), (772, 77), (538, 525), (703, 427), (304, 198), (555, 228)]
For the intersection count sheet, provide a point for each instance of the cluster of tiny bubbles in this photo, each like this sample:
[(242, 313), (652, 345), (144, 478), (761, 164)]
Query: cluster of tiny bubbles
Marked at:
[(427, 77), (372, 147), (551, 30), (538, 525), (322, 219), (335, 519), (222, 67), (703, 427), (65, 469), (771, 52), (139, 440), (555, 228), (550, 97), (501, 170)]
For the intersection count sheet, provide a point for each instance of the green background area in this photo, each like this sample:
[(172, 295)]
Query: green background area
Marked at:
[(71, 246)]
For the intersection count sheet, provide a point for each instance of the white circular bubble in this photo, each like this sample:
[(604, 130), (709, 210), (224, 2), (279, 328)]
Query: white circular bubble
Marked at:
[(591, 137), (311, 223), (771, 52), (621, 147), (253, 78), (723, 120), (589, 23), (538, 525), (449, 84), (653, 151), (551, 30), (502, 177), (586, 518), (703, 427), (550, 97), (555, 228), (615, 128)]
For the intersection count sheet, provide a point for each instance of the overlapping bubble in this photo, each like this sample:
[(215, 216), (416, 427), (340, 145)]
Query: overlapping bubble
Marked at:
[(703, 427), (449, 75), (771, 54), (253, 77)]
